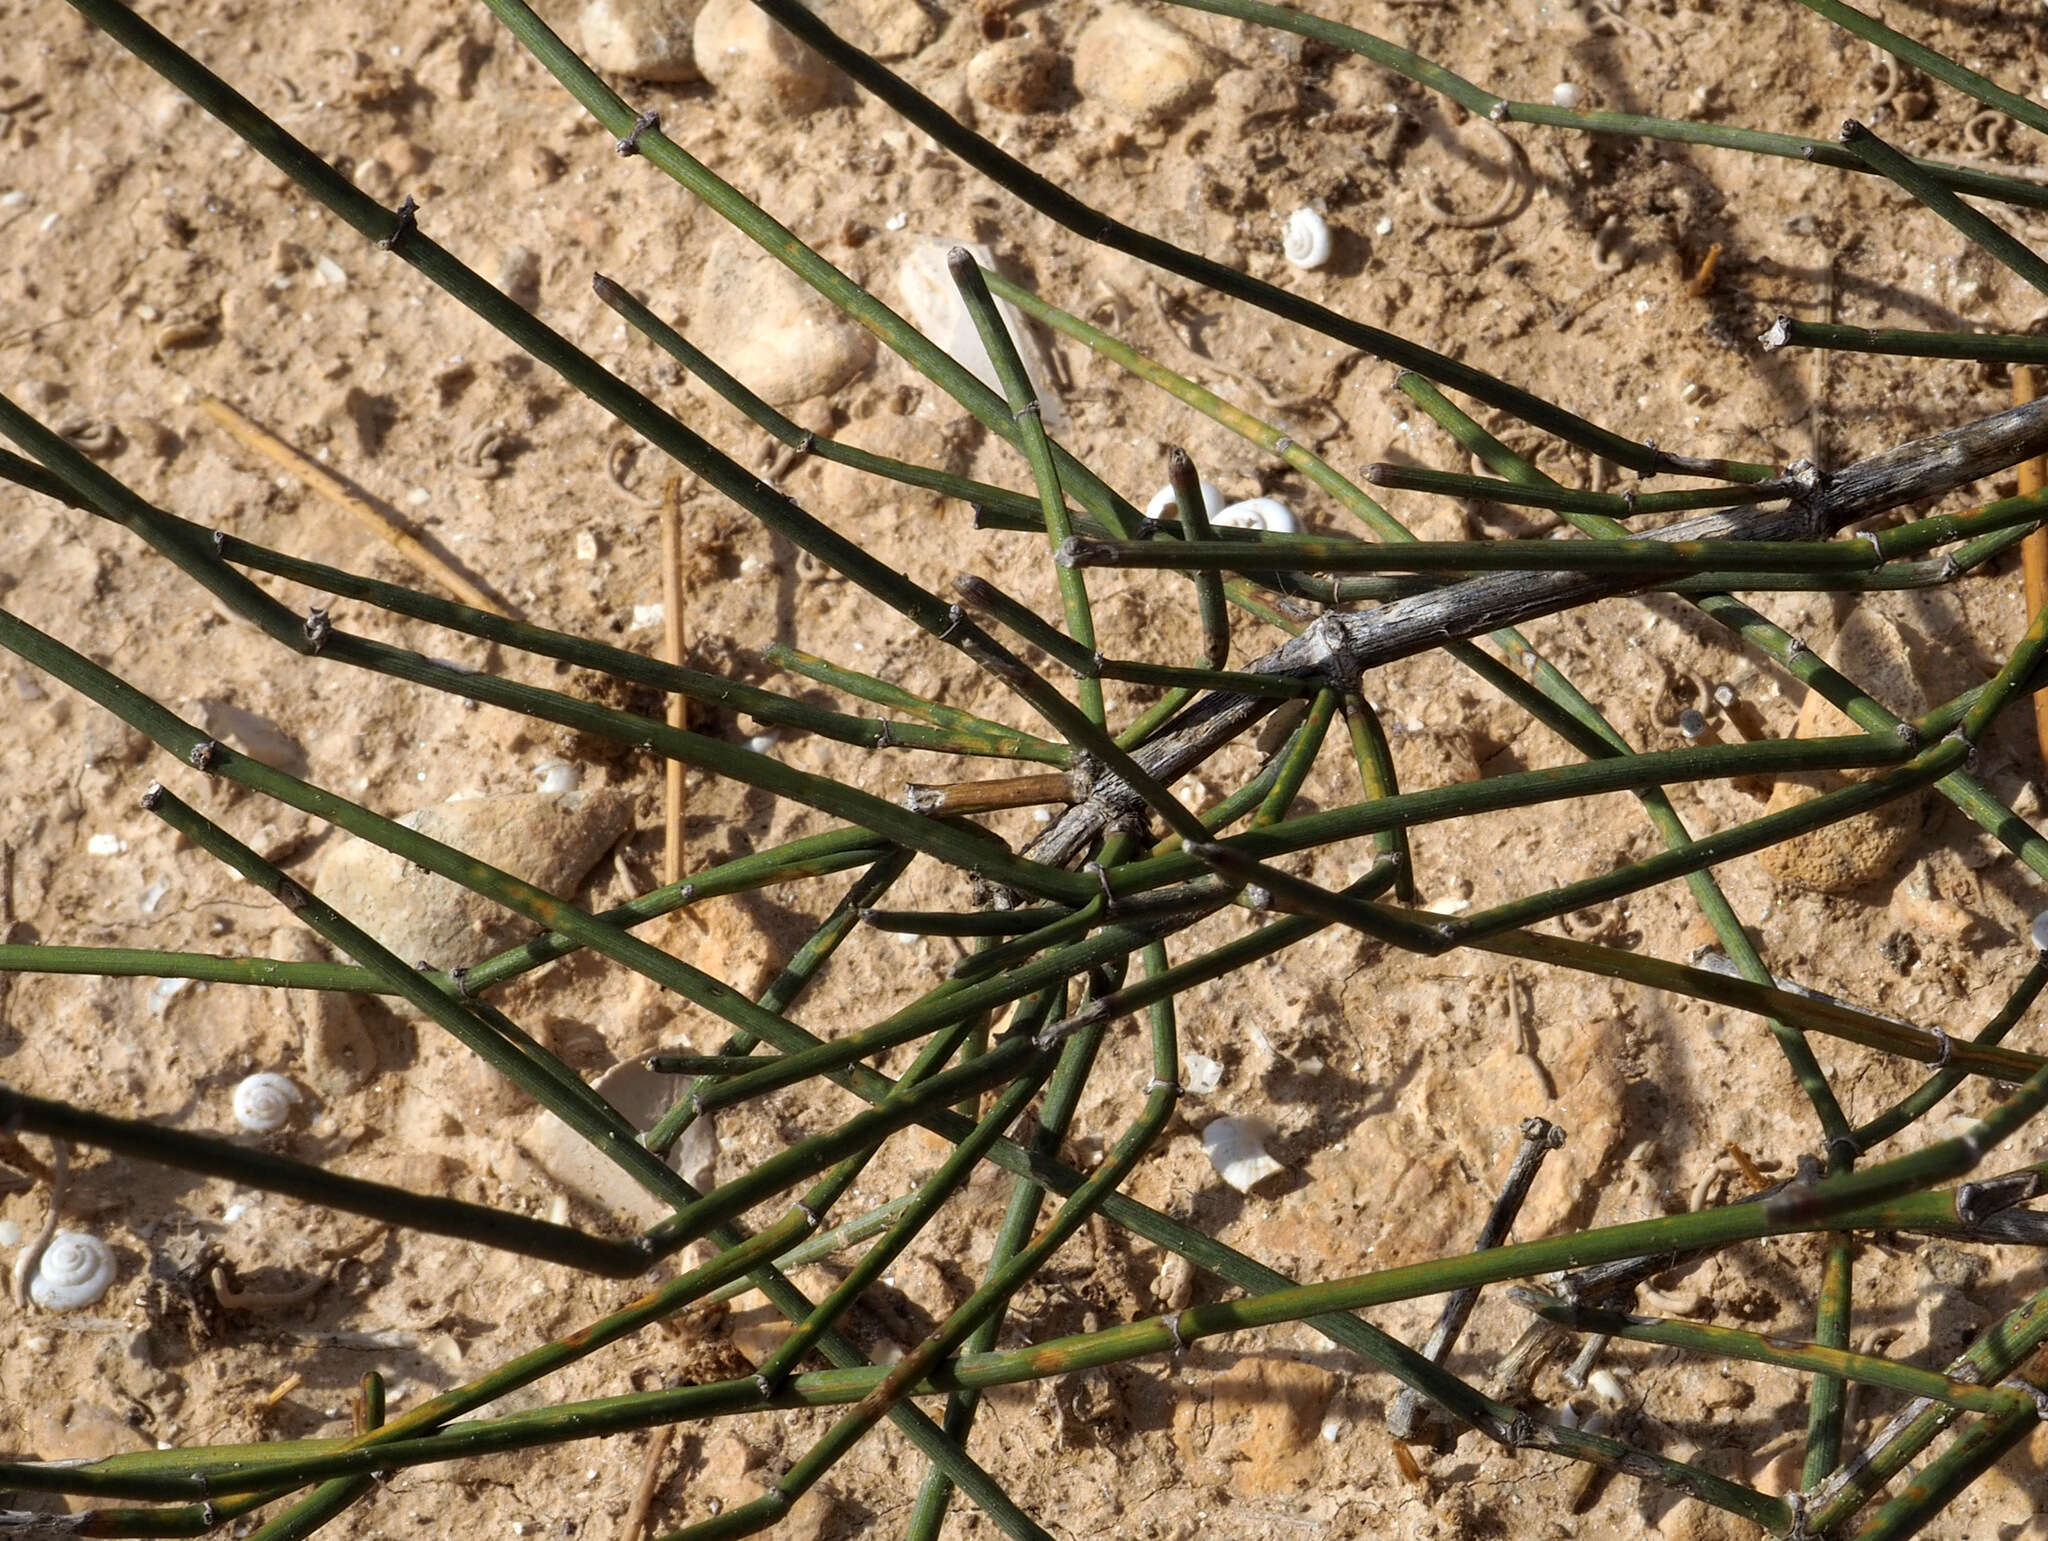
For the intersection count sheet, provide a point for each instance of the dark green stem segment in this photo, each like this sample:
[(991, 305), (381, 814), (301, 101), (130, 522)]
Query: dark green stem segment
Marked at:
[(1984, 347), (1189, 503), (146, 1141)]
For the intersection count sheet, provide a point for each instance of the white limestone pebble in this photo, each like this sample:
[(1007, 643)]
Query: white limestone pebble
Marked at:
[(264, 1102), (76, 1270), (1137, 65), (1199, 1074), (640, 39), (1236, 1147), (770, 328), (755, 62)]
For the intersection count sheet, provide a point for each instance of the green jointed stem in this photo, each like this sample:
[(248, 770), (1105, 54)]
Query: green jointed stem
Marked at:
[(790, 982), (1928, 1095), (538, 1074), (1025, 409), (1616, 505), (1298, 760), (502, 1229), (1827, 1398), (662, 152), (1020, 1219), (1986, 347), (949, 842), (699, 363), (1017, 745), (1651, 558), (1809, 1358), (1193, 510), (1375, 760), (1484, 103), (1999, 1350)]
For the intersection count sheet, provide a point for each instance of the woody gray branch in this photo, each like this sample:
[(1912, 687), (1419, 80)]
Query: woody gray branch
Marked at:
[(1411, 1418), (1340, 646)]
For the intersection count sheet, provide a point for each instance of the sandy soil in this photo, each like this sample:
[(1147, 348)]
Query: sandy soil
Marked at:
[(151, 262)]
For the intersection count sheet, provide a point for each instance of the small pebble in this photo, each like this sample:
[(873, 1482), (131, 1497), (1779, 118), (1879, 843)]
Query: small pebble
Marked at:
[(768, 326), (639, 39), (756, 63), (104, 844), (1135, 64), (1236, 1148), (1565, 94), (1017, 74), (519, 276), (558, 776), (1200, 1075)]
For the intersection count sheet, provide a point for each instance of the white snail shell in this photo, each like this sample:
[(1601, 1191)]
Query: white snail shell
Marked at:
[(264, 1103), (1305, 241), (75, 1270), (558, 776), (1259, 514), (1162, 501)]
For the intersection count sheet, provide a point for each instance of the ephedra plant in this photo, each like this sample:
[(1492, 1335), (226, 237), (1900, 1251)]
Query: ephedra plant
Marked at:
[(1091, 935)]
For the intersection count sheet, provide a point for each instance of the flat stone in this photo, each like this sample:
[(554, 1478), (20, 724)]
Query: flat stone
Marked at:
[(755, 62), (1260, 1418), (932, 303), (640, 39), (771, 329), (548, 839), (641, 1095), (1134, 63)]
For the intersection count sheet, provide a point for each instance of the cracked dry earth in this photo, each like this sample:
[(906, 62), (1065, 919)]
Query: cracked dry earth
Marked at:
[(151, 263)]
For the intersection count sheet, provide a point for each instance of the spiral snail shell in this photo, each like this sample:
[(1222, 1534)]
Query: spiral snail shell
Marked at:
[(264, 1102), (1162, 502), (1305, 240), (1259, 514), (75, 1270)]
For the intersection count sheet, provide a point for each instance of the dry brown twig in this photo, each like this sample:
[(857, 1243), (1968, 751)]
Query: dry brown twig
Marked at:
[(331, 487)]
